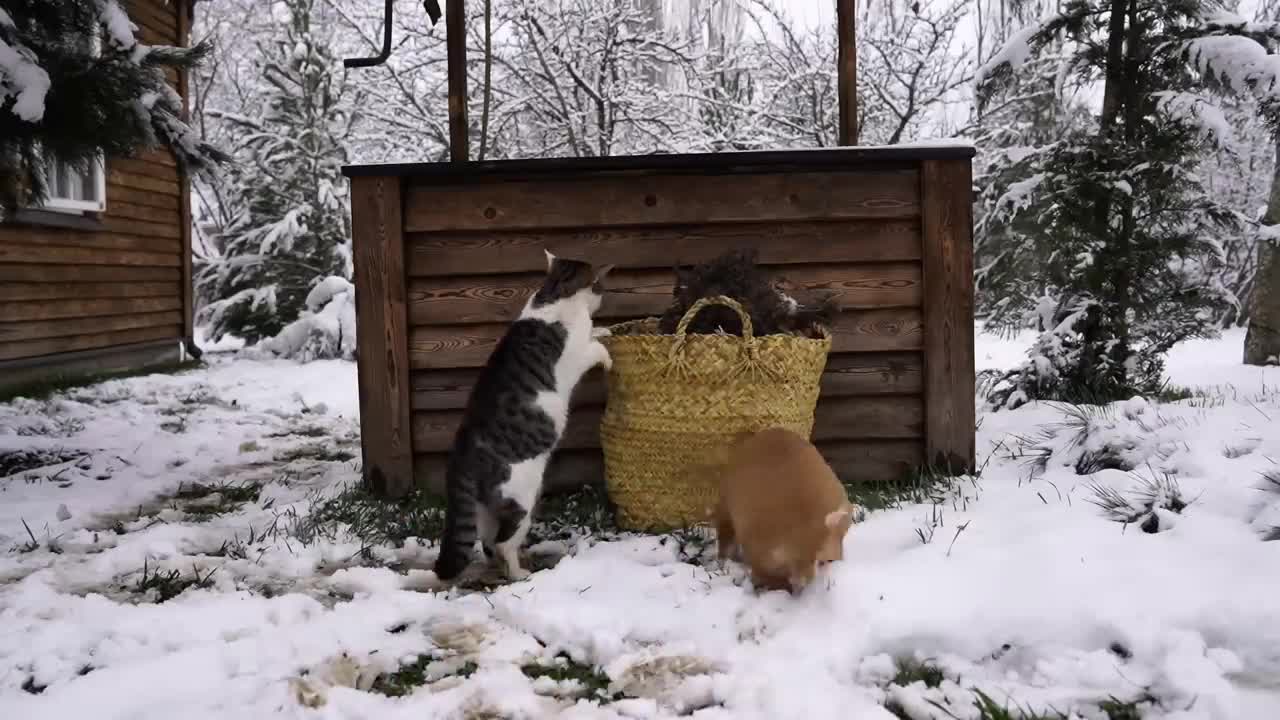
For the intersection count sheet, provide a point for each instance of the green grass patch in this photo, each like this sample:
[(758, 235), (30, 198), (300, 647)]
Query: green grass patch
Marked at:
[(564, 668), (920, 485), (317, 451), (374, 520), (989, 709), (201, 502), (378, 521), (414, 675), (45, 388), (226, 492), (1116, 709), (311, 431), (26, 460), (167, 585), (1170, 393), (911, 670), (586, 510)]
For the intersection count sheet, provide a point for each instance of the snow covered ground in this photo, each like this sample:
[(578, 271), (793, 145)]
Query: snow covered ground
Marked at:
[(1016, 583)]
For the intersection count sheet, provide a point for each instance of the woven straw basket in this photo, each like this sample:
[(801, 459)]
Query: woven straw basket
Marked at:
[(677, 401)]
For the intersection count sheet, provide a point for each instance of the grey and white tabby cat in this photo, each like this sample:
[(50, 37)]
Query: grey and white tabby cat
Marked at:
[(516, 415)]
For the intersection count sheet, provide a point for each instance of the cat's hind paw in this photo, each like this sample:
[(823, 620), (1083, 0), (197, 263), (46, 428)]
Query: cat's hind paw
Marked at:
[(516, 574)]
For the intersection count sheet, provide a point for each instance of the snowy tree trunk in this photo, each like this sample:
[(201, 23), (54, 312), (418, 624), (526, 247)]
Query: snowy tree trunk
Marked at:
[(1262, 342)]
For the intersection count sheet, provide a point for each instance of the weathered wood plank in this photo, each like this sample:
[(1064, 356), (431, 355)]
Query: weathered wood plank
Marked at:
[(43, 237), (159, 156), (73, 275), (458, 346), (948, 315), (150, 32), (847, 374), (612, 201), (142, 228), (878, 330), (161, 18), (12, 332), (80, 291), (878, 373), (866, 461), (121, 193), (132, 211), (782, 243), (876, 417), (873, 461), (86, 341), (153, 28), (644, 293), (382, 329), (142, 167), (117, 176), (49, 255), (117, 357), (836, 418), (86, 307)]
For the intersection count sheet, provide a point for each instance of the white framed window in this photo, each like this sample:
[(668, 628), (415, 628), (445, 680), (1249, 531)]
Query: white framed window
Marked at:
[(72, 191)]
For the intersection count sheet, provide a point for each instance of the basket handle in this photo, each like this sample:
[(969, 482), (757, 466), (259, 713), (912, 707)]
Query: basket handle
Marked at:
[(748, 332)]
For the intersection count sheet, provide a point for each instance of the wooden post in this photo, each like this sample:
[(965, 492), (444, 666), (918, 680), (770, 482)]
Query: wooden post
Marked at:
[(456, 50), (184, 11), (847, 70), (382, 335), (947, 257)]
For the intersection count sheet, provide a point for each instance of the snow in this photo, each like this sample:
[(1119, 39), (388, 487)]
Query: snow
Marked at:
[(22, 79), (1015, 52), (1198, 112), (1025, 590), (118, 26), (325, 329), (1242, 64)]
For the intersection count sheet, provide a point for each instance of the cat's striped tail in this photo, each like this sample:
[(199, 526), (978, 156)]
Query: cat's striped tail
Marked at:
[(459, 539)]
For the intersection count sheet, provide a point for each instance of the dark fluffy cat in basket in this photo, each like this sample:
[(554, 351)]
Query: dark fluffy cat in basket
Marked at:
[(736, 275)]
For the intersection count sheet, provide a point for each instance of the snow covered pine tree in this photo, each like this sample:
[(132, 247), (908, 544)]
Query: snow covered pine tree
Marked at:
[(1103, 239), (75, 84), (1241, 57), (290, 233)]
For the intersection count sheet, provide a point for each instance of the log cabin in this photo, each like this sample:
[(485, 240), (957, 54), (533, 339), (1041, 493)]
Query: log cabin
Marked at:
[(98, 278)]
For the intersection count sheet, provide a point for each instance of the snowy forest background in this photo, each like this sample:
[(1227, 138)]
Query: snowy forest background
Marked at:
[(1117, 215)]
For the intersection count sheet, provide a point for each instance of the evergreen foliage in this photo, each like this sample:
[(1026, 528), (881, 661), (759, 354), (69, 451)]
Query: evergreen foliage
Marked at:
[(76, 84), (290, 230), (1102, 238)]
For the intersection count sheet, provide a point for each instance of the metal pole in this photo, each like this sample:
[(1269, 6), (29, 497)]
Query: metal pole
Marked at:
[(847, 70), (455, 13), (386, 43)]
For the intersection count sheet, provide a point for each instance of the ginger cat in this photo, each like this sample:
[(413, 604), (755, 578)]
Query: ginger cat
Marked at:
[(783, 507)]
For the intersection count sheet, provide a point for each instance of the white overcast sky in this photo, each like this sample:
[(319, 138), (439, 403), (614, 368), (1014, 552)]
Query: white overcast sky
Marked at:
[(815, 11), (812, 12)]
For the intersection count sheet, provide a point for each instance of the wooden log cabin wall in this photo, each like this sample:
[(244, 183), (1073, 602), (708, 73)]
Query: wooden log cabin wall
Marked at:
[(110, 290), (447, 254)]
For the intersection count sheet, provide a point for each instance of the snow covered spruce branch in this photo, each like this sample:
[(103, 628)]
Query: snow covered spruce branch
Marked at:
[(75, 84)]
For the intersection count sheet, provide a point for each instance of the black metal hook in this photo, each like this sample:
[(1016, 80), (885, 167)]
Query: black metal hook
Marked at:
[(433, 11)]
